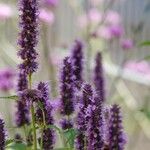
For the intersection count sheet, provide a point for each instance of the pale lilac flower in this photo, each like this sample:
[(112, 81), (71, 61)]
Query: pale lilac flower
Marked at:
[(141, 67), (113, 18), (5, 11), (94, 15), (116, 31), (46, 16), (127, 44)]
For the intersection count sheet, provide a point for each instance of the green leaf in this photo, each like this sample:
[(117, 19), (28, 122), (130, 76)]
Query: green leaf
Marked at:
[(9, 141), (13, 97), (145, 43), (16, 146), (70, 135)]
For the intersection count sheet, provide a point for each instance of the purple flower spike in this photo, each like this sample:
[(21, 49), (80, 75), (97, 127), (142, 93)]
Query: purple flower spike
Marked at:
[(99, 77), (87, 95), (48, 134), (2, 135), (66, 124), (95, 133), (77, 60), (83, 117), (116, 133), (28, 35), (22, 114), (22, 82), (80, 141), (67, 91)]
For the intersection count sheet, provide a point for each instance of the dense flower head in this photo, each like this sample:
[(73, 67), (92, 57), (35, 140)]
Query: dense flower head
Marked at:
[(43, 100), (83, 116), (81, 124), (30, 95), (48, 133), (99, 77), (87, 95), (2, 135), (22, 82), (67, 91), (66, 124), (22, 114), (28, 35), (77, 60), (95, 126), (116, 133)]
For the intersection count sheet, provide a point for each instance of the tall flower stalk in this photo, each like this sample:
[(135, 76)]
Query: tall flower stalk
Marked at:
[(116, 134), (99, 77), (28, 42)]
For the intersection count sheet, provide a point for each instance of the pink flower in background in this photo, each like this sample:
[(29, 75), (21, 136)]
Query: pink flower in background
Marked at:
[(140, 67), (104, 32), (7, 79), (116, 31), (127, 44), (5, 11), (113, 18), (46, 16), (94, 15), (52, 3)]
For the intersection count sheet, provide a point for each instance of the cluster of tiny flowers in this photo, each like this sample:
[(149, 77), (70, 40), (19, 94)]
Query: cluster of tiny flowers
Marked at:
[(77, 56), (48, 133), (90, 120), (83, 117), (28, 36), (67, 90), (116, 134), (99, 78), (95, 137)]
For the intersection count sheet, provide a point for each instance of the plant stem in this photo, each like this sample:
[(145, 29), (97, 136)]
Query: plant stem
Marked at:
[(34, 127), (33, 117)]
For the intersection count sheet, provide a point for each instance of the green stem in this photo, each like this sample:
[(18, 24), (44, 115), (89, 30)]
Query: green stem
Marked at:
[(34, 127), (33, 117)]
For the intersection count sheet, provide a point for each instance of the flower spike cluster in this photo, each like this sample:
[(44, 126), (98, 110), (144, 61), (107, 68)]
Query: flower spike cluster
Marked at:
[(67, 91), (116, 134), (99, 78), (28, 35), (77, 60)]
